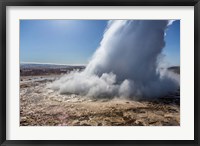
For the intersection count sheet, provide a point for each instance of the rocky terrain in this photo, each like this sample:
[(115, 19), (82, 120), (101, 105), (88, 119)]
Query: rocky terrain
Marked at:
[(41, 106)]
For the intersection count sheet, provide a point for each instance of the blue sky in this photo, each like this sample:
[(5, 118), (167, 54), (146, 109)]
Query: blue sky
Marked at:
[(74, 41), (172, 47)]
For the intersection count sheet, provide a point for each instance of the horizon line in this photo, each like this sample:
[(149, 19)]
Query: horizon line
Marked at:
[(53, 63)]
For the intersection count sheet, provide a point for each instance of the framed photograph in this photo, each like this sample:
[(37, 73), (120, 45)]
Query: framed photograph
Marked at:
[(99, 72)]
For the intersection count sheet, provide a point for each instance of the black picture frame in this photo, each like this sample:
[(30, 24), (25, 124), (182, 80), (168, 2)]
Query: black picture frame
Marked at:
[(5, 3)]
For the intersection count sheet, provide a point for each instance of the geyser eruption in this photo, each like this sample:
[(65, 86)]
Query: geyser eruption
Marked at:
[(125, 64)]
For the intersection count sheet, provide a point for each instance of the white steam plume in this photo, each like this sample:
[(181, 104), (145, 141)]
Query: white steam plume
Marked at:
[(125, 64)]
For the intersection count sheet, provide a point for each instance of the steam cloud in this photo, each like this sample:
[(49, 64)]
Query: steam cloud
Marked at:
[(125, 64)]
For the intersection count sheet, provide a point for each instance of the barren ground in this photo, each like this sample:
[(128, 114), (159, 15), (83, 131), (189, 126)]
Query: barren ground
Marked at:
[(42, 106)]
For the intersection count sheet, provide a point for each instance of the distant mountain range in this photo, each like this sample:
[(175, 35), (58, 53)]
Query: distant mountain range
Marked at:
[(32, 69), (175, 69), (49, 66)]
